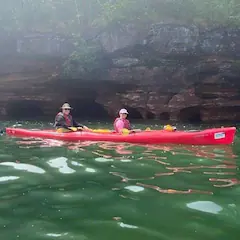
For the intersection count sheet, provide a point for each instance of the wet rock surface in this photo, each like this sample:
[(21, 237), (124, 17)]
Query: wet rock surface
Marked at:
[(164, 71)]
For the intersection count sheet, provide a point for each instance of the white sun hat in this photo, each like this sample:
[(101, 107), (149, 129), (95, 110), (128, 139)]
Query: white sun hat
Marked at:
[(123, 111)]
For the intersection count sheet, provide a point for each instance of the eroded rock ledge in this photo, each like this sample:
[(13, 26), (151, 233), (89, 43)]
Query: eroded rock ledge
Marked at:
[(167, 72)]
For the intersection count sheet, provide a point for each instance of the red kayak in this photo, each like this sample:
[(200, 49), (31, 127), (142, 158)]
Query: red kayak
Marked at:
[(212, 136)]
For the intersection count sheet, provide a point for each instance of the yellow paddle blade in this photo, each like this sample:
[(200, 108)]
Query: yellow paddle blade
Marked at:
[(63, 130), (74, 129), (125, 131), (101, 130)]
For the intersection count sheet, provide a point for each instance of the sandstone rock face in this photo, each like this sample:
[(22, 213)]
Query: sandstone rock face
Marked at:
[(166, 71)]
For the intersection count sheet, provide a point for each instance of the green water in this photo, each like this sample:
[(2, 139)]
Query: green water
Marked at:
[(100, 191)]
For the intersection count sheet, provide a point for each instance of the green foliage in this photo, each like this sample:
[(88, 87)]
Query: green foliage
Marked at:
[(86, 60), (222, 12), (78, 17)]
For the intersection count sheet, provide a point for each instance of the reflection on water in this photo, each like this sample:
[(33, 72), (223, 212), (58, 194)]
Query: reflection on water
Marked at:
[(216, 157), (91, 190), (22, 166), (61, 164), (205, 206)]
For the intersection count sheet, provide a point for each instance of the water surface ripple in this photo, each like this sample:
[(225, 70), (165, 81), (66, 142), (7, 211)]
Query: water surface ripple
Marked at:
[(56, 190)]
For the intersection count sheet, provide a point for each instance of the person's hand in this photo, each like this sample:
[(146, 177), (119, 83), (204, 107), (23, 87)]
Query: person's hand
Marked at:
[(86, 128)]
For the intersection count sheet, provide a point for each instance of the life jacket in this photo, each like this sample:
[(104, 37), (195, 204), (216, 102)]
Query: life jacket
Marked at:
[(125, 121), (68, 119)]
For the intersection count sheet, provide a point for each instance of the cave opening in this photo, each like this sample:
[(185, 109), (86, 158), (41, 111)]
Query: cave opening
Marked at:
[(150, 115), (133, 113), (190, 115), (165, 116), (24, 109), (88, 109)]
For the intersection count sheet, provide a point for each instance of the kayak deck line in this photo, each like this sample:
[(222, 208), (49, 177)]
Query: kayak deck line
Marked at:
[(213, 136)]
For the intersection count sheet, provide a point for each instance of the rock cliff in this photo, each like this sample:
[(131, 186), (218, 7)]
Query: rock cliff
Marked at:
[(165, 71)]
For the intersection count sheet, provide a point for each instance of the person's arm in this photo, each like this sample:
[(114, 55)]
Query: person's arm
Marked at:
[(135, 130), (60, 122), (78, 125)]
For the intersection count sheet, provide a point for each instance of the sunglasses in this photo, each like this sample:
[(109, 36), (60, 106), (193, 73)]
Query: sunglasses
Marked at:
[(68, 109)]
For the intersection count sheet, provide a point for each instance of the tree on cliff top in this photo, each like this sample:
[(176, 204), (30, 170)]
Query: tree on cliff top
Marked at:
[(77, 16), (85, 18)]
